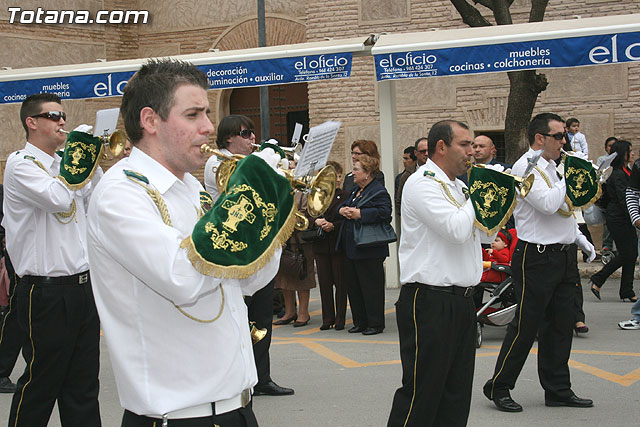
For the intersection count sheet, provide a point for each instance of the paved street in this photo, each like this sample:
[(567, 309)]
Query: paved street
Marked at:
[(346, 380)]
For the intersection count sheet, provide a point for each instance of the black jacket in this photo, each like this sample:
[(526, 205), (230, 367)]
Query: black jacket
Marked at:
[(375, 210), (615, 190)]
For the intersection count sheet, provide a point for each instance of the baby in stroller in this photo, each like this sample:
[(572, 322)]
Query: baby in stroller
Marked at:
[(496, 281), (500, 253)]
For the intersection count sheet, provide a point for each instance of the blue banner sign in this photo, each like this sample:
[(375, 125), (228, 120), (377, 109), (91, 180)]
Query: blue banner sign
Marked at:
[(557, 53), (220, 76)]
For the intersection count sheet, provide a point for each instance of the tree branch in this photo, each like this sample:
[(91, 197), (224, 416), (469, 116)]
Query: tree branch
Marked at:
[(470, 15), (501, 12), (538, 8), (486, 3)]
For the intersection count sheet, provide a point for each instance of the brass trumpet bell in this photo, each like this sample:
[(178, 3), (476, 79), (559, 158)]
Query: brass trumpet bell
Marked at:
[(257, 334), (114, 144), (524, 184)]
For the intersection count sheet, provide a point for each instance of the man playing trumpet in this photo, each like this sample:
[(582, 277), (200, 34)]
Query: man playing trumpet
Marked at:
[(170, 277)]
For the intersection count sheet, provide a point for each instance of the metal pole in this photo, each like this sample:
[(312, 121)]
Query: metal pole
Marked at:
[(264, 90)]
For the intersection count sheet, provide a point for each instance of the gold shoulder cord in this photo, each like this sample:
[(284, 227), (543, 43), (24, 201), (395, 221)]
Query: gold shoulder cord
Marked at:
[(445, 191), (546, 179), (62, 217), (166, 218)]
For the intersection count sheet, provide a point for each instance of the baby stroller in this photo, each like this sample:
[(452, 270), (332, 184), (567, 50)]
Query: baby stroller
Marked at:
[(501, 307)]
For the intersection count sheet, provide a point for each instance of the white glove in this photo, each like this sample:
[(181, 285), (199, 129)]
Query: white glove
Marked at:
[(495, 167), (271, 157), (579, 154), (586, 247), (83, 128)]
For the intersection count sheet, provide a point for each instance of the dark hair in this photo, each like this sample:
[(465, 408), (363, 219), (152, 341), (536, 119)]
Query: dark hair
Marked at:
[(611, 138), (540, 124), (32, 106), (369, 164), (572, 120), (411, 151), (367, 147), (442, 131), (154, 86), (623, 148), (337, 166), (231, 126)]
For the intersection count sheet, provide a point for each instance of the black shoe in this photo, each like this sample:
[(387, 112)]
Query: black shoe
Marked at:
[(339, 327), (326, 327), (573, 401), (595, 291), (355, 330), (271, 389), (372, 331), (6, 386), (507, 404)]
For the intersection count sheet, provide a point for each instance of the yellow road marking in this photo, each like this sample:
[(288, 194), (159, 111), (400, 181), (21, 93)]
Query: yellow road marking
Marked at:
[(624, 380)]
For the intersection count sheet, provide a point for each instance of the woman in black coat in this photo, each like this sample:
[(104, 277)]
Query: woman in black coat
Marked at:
[(363, 267), (620, 226)]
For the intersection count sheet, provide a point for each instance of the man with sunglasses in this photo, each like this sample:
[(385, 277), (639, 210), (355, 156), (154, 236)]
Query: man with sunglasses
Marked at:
[(545, 274), (45, 234), (236, 136)]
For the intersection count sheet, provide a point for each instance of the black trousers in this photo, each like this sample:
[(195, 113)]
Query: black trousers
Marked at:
[(242, 417), (545, 287), (62, 353), (365, 287), (11, 336), (624, 235), (260, 310), (329, 267), (437, 347)]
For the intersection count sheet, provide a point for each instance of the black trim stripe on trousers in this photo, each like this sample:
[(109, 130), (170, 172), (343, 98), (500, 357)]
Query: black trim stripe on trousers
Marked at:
[(11, 336), (544, 284), (437, 333), (62, 354), (241, 417)]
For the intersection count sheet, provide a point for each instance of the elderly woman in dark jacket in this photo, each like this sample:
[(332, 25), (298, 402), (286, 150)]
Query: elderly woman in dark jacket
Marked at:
[(620, 226), (363, 270)]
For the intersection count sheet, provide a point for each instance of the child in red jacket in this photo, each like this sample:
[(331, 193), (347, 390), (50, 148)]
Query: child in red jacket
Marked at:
[(500, 254)]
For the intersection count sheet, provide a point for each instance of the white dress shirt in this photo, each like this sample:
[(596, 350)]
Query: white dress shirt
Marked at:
[(162, 360), (537, 218), (439, 244), (210, 170), (39, 242)]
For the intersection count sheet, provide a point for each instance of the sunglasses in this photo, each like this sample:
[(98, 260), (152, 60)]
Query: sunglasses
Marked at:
[(52, 115), (557, 136), (246, 133), (422, 151)]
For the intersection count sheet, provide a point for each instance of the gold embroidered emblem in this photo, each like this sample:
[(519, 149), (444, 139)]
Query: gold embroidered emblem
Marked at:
[(489, 192), (77, 155), (238, 211), (220, 240), (268, 210), (79, 152)]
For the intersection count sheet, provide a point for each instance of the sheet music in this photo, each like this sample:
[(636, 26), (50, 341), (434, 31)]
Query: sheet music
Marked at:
[(317, 149), (106, 122)]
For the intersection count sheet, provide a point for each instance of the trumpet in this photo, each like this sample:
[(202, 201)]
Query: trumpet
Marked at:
[(319, 189), (296, 150), (523, 184), (114, 143)]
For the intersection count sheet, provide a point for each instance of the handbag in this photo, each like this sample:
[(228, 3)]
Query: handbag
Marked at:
[(375, 234), (313, 234), (293, 260)]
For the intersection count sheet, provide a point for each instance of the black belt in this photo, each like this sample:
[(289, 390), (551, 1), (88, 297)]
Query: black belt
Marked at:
[(555, 247), (465, 291), (76, 279)]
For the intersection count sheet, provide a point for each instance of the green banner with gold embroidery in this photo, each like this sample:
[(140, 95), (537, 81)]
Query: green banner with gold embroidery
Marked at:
[(253, 218), (493, 195), (82, 153), (581, 178)]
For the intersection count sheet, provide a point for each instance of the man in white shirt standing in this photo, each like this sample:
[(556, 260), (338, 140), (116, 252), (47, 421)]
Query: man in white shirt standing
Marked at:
[(440, 263), (45, 223), (545, 275), (179, 339), (236, 136)]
